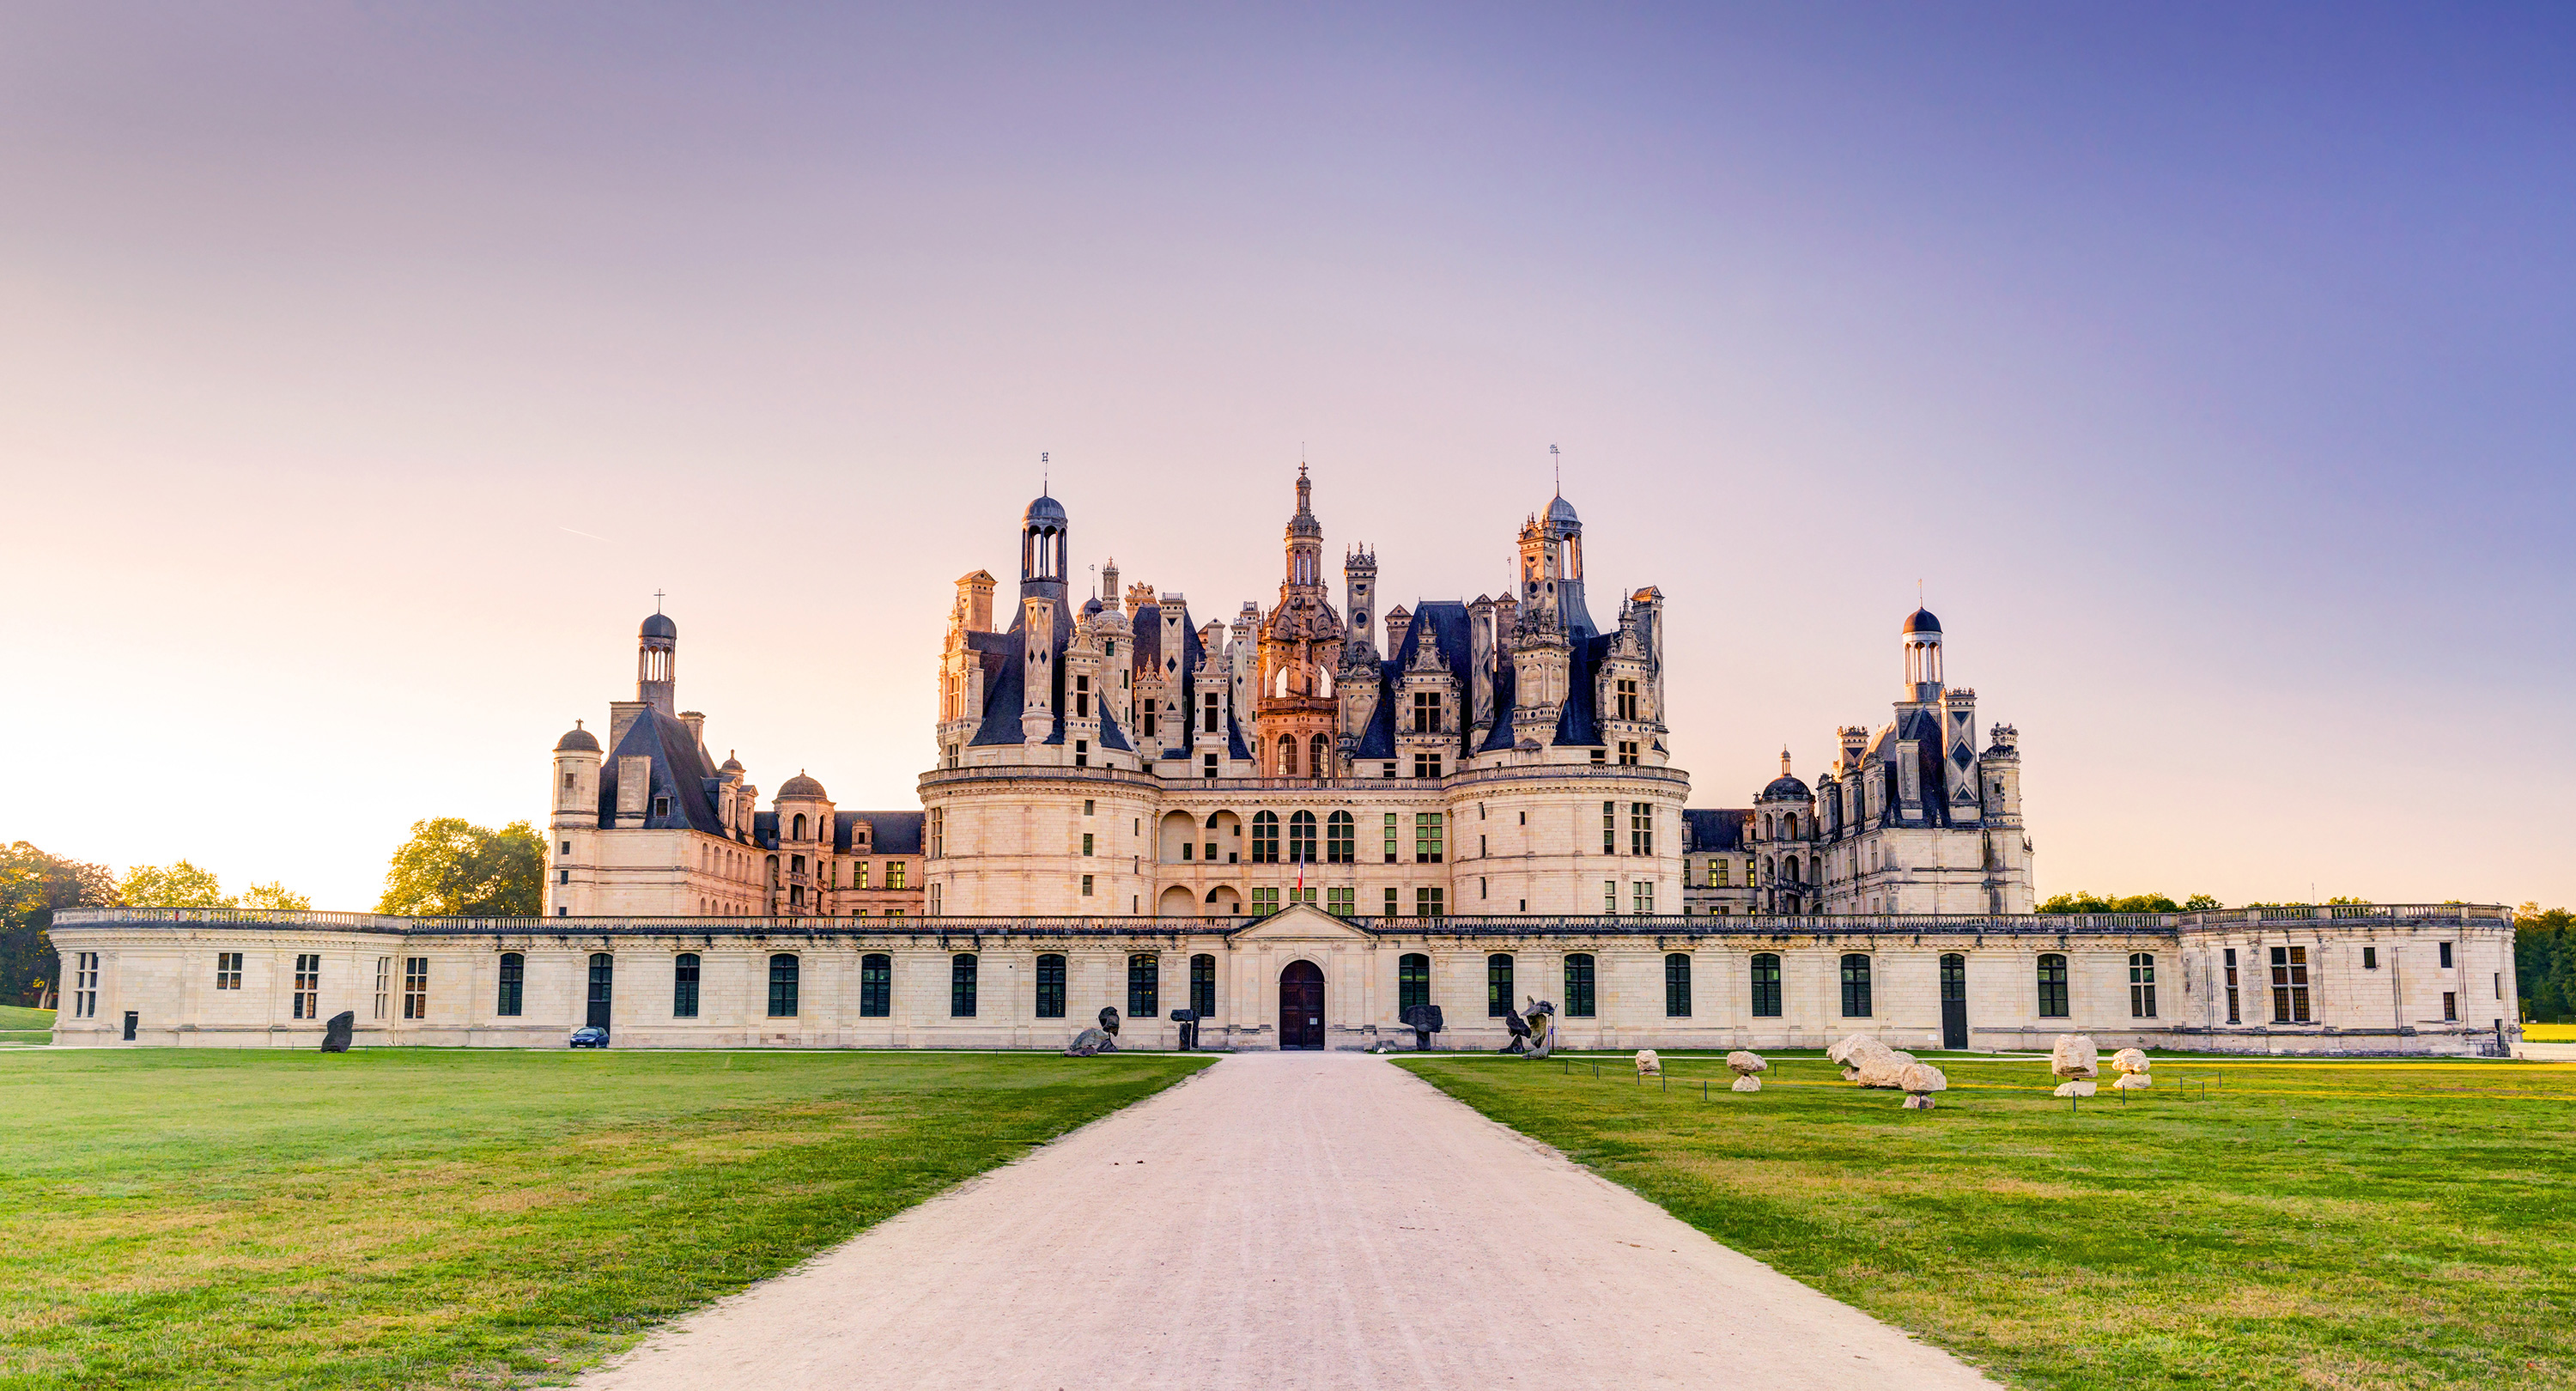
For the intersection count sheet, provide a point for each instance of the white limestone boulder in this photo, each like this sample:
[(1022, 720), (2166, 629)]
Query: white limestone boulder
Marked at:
[(1870, 1063), (2133, 1067), (1920, 1080), (1648, 1064), (2074, 1058), (1745, 1066), (2076, 1088)]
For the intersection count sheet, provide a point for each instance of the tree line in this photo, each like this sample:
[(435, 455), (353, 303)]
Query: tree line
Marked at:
[(446, 867)]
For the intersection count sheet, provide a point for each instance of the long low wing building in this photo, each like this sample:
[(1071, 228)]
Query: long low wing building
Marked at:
[(2346, 978)]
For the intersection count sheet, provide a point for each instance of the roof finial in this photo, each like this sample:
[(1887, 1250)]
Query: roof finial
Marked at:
[(1784, 760), (1557, 463), (657, 601), (1045, 472)]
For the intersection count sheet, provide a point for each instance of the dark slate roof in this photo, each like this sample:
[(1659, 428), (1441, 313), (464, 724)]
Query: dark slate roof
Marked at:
[(1111, 736), (764, 829), (1785, 786), (803, 786), (659, 626), (1922, 621), (889, 832), (577, 738), (1714, 829), (1506, 690), (680, 771), (1580, 723)]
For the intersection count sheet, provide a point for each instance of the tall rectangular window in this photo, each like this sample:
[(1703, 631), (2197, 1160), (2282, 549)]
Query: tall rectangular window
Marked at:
[(1609, 828), (1427, 902), (2290, 985), (1426, 765), (1427, 837), (1766, 985), (1086, 886), (1265, 901), (1390, 837), (1626, 702), (2142, 986), (1394, 901), (1578, 985), (85, 985), (1208, 722), (895, 877), (961, 986), (1855, 986), (1144, 985), (783, 981), (1412, 982), (1642, 895), (1086, 842), (1717, 875), (228, 970), (1498, 985), (2053, 1003), (514, 976), (2446, 956), (1340, 902), (384, 984), (1677, 1000), (1610, 897), (1641, 828), (2231, 987), (1340, 839), (2370, 958), (415, 986), (2450, 1006), (684, 985), (1050, 1003), (1203, 985), (858, 874)]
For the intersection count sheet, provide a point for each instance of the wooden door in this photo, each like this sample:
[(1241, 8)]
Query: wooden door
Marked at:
[(1301, 1005), (1954, 1001)]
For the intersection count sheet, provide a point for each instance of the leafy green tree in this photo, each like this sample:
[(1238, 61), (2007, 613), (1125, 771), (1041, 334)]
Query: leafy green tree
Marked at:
[(274, 896), (2544, 961), (180, 885), (453, 868), (2083, 901), (32, 885)]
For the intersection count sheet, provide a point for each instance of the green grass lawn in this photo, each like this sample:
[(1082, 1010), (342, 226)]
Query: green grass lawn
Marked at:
[(2316, 1225), (418, 1217), (21, 1025)]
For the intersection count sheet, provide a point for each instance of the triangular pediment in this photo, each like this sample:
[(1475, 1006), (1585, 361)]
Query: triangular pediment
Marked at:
[(1300, 922)]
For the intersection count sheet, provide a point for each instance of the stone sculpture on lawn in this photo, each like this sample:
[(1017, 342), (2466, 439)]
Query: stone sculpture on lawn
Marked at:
[(1090, 1042), (1920, 1080), (1542, 1026), (1745, 1065), (1648, 1064), (1519, 1041), (335, 1035), (1871, 1063), (2076, 1062), (2132, 1065), (1424, 1021)]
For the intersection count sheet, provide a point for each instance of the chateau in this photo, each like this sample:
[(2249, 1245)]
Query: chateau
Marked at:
[(1299, 828)]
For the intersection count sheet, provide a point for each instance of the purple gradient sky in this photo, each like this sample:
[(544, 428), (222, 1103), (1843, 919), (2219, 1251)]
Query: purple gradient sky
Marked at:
[(2210, 365)]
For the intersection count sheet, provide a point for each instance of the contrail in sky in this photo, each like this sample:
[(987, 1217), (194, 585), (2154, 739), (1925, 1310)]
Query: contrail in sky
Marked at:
[(577, 532)]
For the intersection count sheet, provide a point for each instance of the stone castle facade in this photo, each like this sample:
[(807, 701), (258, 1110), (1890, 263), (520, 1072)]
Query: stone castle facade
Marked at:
[(1300, 821)]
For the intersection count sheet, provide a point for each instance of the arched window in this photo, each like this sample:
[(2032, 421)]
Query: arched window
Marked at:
[(1766, 985), (961, 985), (1050, 986), (1203, 985), (1578, 985), (782, 986), (514, 974), (1301, 838), (800, 826), (2052, 986), (1855, 986), (1144, 985), (1789, 826), (1677, 1000), (1320, 765), (684, 985), (2142, 985), (1767, 822), (1340, 845), (1789, 871), (1412, 982), (1287, 755), (1265, 838), (1498, 985), (876, 986)]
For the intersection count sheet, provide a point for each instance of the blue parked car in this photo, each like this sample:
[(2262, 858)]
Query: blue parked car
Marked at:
[(591, 1037)]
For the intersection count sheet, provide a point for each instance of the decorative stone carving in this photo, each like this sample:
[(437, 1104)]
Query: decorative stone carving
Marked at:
[(1745, 1065), (1109, 1020), (335, 1035), (2076, 1062), (1648, 1064), (1870, 1063), (1520, 1033), (1542, 1026), (2132, 1065)]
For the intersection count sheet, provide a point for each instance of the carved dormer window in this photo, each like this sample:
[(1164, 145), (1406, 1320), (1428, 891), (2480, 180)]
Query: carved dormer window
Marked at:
[(1426, 712)]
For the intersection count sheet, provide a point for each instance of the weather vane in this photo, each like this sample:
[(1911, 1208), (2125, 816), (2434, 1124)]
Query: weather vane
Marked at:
[(1557, 463)]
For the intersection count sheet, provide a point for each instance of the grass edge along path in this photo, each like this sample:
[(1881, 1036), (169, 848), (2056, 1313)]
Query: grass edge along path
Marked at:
[(2412, 1225), (402, 1218)]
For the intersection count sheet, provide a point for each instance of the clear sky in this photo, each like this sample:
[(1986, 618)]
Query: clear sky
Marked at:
[(365, 368)]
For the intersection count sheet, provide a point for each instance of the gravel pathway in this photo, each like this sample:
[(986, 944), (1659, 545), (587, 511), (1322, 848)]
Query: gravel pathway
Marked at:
[(1301, 1220)]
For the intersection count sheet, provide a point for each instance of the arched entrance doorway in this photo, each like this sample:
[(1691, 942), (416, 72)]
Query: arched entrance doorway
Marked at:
[(1301, 1005)]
